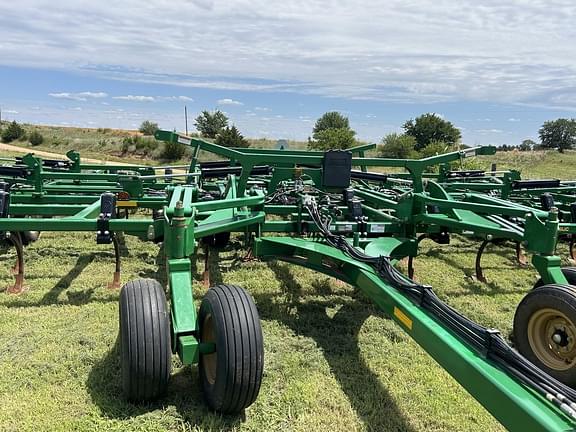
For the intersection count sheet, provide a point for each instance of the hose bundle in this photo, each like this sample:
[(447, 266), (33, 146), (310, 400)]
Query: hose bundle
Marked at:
[(488, 342)]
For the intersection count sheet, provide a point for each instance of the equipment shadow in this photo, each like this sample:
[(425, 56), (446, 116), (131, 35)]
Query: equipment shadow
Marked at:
[(215, 265), (104, 385), (183, 393), (337, 336), (474, 286), (76, 298)]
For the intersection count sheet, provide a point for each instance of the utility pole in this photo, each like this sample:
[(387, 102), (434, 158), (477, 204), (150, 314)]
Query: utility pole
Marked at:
[(186, 118)]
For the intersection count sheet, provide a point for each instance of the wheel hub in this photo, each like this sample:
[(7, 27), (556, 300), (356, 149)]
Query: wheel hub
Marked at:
[(209, 360), (560, 338), (552, 336)]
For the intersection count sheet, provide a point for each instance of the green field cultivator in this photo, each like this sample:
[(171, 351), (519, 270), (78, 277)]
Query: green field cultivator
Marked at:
[(337, 213)]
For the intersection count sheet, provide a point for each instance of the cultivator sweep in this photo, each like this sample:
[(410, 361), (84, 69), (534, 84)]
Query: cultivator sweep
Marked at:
[(337, 213)]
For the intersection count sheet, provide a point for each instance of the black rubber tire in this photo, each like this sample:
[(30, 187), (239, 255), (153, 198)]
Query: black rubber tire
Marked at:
[(568, 272), (145, 352), (29, 237), (218, 241), (547, 201), (561, 298), (231, 376)]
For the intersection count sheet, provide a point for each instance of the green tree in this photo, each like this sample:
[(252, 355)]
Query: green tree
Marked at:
[(560, 134), (429, 128), (12, 132), (173, 151), (35, 138), (435, 148), (398, 146), (527, 145), (209, 124), (333, 138), (231, 137), (148, 128), (331, 120), (331, 131), (505, 148)]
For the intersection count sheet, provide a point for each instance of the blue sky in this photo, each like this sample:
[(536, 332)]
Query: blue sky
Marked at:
[(496, 69)]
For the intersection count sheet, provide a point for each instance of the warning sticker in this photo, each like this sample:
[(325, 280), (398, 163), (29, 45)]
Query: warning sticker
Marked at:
[(403, 318), (184, 140), (126, 204)]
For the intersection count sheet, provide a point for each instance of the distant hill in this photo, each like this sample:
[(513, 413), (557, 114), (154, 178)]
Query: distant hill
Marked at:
[(106, 143)]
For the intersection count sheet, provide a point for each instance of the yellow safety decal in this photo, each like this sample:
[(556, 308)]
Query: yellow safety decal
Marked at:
[(126, 204), (403, 318)]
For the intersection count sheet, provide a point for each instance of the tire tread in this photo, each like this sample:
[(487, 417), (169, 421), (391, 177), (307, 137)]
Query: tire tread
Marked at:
[(145, 339), (243, 349)]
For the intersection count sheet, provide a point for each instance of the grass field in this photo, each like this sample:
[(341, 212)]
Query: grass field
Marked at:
[(106, 144), (332, 361)]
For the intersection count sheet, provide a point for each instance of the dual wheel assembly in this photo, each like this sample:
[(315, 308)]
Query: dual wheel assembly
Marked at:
[(230, 376), (545, 328)]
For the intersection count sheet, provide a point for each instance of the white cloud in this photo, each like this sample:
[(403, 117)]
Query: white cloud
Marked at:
[(489, 131), (229, 102), (81, 97), (136, 98), (142, 98), (514, 120), (425, 51), (11, 112), (175, 98)]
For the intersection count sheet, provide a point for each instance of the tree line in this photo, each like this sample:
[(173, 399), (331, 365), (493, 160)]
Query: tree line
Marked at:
[(430, 134), (423, 136), (426, 135)]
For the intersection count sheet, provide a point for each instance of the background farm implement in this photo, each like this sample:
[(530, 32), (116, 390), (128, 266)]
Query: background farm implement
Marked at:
[(339, 214)]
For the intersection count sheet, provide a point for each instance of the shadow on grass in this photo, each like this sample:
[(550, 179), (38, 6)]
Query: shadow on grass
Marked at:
[(76, 298), (160, 273), (474, 287), (337, 336), (104, 384), (216, 265), (51, 297), (504, 249)]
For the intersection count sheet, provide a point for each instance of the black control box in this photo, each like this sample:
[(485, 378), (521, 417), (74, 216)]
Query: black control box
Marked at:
[(336, 169), (354, 209)]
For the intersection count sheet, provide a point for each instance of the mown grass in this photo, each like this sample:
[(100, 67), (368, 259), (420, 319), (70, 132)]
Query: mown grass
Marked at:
[(332, 360)]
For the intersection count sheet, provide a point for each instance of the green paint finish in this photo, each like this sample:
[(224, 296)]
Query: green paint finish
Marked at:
[(518, 408), (550, 269), (188, 349), (182, 300)]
